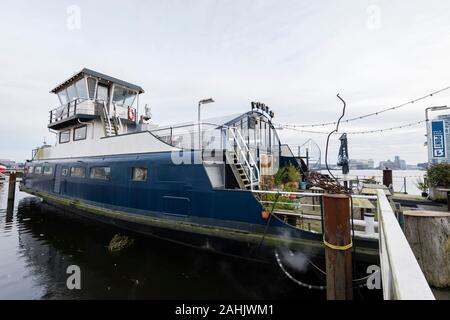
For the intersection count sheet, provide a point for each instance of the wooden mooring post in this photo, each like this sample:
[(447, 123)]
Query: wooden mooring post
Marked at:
[(387, 177), (12, 186), (338, 246), (11, 194)]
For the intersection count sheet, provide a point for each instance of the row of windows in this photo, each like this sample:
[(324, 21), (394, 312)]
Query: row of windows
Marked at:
[(78, 134), (102, 173)]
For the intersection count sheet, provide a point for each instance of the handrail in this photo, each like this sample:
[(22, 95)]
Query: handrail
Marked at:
[(70, 109), (312, 194), (194, 127), (70, 102), (65, 109), (117, 117), (248, 151), (249, 166), (106, 115), (245, 159), (401, 275)]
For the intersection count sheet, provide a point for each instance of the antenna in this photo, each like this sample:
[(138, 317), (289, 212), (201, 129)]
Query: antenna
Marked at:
[(147, 112)]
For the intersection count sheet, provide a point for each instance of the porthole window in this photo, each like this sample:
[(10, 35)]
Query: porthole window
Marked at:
[(103, 173), (139, 174), (78, 172)]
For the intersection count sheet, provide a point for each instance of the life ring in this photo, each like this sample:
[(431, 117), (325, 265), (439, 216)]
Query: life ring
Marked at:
[(131, 114)]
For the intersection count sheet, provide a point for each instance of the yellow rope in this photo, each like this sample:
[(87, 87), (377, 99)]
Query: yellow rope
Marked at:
[(334, 247)]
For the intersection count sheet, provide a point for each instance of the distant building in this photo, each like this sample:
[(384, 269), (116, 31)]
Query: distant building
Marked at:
[(361, 164), (387, 164), (397, 164)]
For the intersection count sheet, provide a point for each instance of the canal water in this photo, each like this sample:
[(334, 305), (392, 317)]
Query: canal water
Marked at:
[(37, 247)]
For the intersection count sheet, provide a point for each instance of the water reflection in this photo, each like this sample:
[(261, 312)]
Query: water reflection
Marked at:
[(38, 245)]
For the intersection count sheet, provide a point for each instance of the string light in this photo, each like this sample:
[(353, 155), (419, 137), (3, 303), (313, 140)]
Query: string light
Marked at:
[(376, 113), (356, 132)]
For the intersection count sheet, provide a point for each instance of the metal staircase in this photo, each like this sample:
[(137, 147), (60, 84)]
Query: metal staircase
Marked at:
[(242, 163), (111, 124)]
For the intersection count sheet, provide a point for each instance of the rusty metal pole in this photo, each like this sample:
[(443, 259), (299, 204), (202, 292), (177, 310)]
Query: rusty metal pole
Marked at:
[(338, 246), (387, 177)]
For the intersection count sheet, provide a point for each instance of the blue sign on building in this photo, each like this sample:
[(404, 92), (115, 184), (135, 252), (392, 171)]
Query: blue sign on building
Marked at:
[(438, 139)]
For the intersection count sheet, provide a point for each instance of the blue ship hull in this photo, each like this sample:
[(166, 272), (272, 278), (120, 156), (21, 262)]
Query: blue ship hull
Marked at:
[(177, 203)]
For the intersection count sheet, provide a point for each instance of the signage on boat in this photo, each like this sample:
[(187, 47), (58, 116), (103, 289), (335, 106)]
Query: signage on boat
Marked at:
[(438, 139)]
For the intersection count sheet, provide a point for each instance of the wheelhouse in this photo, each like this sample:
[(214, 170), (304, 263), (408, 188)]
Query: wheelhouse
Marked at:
[(90, 95)]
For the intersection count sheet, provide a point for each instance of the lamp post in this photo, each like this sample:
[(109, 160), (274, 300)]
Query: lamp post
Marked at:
[(204, 101), (427, 124)]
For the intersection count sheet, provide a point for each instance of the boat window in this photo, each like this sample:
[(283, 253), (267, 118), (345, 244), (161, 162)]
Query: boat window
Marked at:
[(123, 96), (62, 95), (79, 133), (129, 100), (100, 173), (48, 170), (38, 170), (78, 172), (30, 169), (139, 174), (72, 92), (102, 93), (81, 88), (64, 136), (64, 172), (92, 83)]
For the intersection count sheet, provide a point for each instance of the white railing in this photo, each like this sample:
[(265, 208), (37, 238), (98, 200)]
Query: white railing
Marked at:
[(242, 151), (401, 275), (367, 223), (74, 107), (87, 106)]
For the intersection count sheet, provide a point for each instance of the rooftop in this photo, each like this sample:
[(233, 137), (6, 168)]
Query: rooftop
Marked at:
[(99, 75)]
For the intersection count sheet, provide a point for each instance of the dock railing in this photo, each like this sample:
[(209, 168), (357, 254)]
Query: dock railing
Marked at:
[(401, 275), (292, 199)]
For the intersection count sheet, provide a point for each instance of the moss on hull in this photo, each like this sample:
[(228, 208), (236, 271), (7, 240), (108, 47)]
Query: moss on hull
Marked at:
[(270, 240)]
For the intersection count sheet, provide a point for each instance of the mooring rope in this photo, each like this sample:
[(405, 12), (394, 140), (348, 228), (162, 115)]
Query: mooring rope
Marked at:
[(312, 286), (309, 286)]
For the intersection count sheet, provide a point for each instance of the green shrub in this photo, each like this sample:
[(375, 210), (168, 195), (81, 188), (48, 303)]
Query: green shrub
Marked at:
[(280, 176), (292, 174), (422, 185), (288, 188), (272, 197), (439, 175), (287, 174)]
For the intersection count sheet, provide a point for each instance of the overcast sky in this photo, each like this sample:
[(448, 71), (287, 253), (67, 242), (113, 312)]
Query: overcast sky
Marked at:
[(295, 56)]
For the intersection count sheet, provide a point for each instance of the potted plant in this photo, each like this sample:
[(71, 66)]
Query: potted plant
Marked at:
[(438, 177), (422, 185)]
